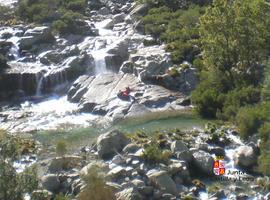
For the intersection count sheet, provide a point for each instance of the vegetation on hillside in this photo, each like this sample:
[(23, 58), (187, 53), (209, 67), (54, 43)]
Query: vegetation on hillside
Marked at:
[(63, 15), (228, 42)]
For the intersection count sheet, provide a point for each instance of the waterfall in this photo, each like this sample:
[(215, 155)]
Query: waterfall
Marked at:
[(100, 64), (39, 84), (14, 51)]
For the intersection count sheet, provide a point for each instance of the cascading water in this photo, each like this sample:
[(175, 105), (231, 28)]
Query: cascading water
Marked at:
[(39, 79)]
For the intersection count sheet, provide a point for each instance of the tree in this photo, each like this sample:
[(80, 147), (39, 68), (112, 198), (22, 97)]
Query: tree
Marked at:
[(233, 37)]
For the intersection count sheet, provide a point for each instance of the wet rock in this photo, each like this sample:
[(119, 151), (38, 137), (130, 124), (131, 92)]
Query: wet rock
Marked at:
[(116, 56), (50, 182), (5, 46), (36, 35), (129, 194), (203, 161), (245, 156), (163, 181), (119, 18), (127, 67), (110, 143)]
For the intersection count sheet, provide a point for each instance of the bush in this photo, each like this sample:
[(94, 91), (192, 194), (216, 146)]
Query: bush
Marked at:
[(207, 97), (153, 154), (48, 11), (237, 98), (68, 23), (264, 163), (250, 119), (264, 132), (61, 148), (179, 30), (96, 186)]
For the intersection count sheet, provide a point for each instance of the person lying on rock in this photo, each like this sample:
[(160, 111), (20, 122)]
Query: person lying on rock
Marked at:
[(125, 95)]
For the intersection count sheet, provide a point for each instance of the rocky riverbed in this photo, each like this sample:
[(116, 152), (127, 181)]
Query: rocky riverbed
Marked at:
[(170, 164), (56, 83), (85, 72)]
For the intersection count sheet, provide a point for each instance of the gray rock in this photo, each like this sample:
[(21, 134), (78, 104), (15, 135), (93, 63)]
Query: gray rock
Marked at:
[(50, 182), (140, 9), (117, 172), (36, 35), (245, 156), (104, 11), (127, 67), (129, 194), (163, 181), (203, 161), (131, 148), (118, 160), (178, 146), (64, 163), (110, 143), (184, 155), (146, 190), (119, 18)]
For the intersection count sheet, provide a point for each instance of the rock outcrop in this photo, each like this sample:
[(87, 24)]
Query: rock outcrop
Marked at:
[(98, 95)]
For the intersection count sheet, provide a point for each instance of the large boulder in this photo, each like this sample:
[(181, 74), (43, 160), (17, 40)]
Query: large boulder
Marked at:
[(110, 143), (245, 156), (162, 181), (51, 183), (178, 146), (150, 61), (204, 162), (36, 35)]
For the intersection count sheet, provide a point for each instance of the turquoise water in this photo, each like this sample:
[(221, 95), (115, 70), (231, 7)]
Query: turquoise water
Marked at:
[(86, 136)]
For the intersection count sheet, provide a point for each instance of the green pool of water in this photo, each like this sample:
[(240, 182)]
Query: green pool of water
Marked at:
[(86, 136)]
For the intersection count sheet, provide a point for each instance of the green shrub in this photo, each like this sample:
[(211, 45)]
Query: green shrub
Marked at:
[(48, 11), (264, 163), (248, 121), (61, 148), (61, 197), (68, 23), (96, 186), (207, 97), (264, 132), (237, 98), (153, 154), (266, 84), (179, 30)]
